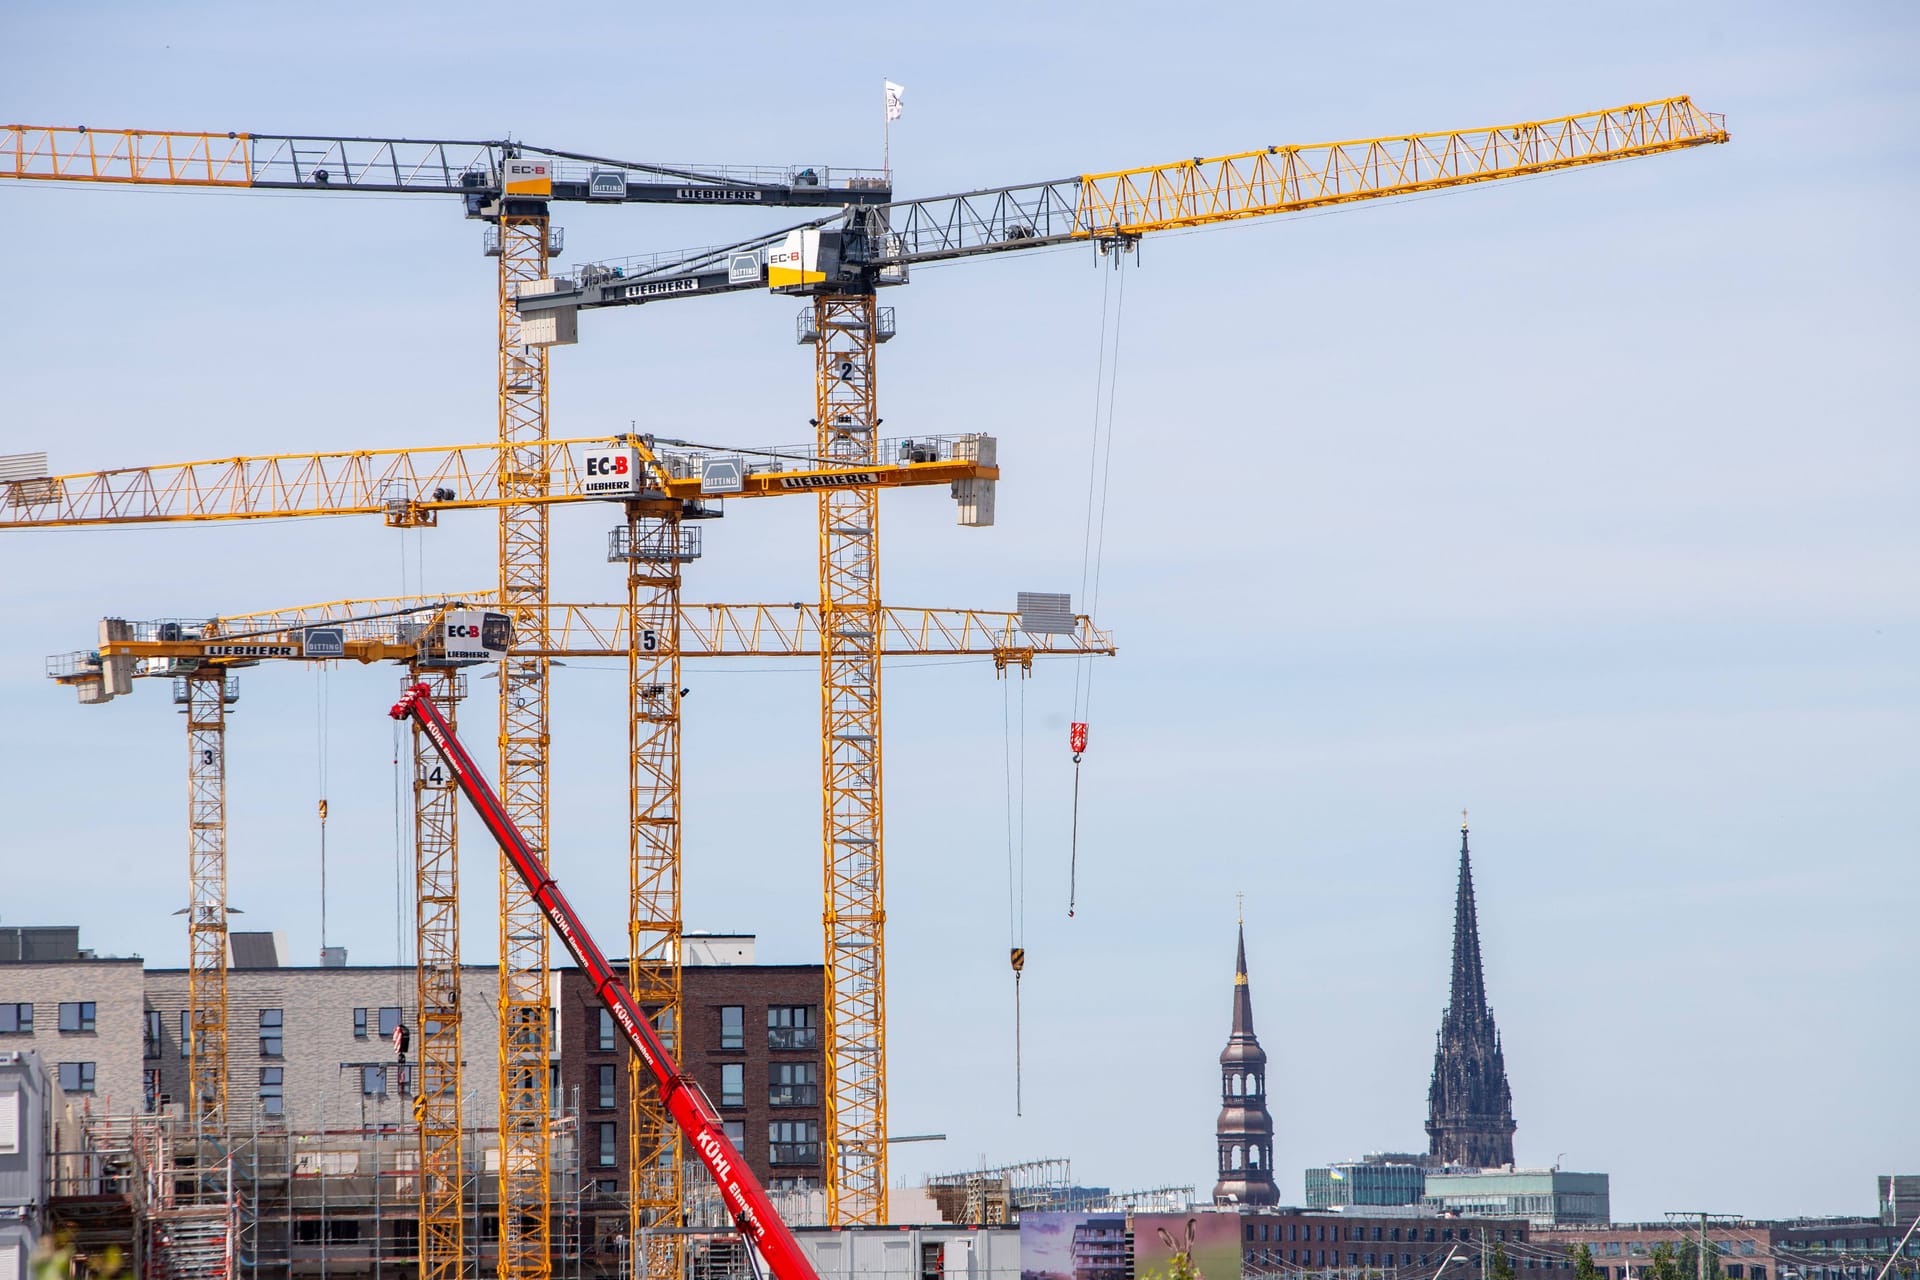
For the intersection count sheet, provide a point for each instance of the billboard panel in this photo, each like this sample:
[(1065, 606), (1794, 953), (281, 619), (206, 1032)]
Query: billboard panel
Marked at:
[(1186, 1246)]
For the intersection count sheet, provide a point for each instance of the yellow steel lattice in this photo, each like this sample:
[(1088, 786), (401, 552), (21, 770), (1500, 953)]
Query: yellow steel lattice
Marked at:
[(525, 1041), (436, 799), (856, 1108), (1132, 202), (206, 709), (655, 1166)]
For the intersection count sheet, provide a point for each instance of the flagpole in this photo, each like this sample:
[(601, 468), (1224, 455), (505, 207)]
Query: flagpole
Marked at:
[(886, 134)]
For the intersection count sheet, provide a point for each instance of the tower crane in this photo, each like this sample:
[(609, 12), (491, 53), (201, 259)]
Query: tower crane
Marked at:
[(658, 486), (426, 634), (509, 186), (839, 262)]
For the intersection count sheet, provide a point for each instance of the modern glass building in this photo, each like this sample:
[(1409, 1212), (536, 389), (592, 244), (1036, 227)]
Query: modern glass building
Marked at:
[(1382, 1178), (1544, 1197)]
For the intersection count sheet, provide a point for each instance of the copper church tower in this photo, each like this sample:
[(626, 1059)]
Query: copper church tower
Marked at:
[(1244, 1133)]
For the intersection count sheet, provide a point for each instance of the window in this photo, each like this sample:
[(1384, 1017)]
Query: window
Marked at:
[(16, 1019), (662, 1020), (271, 1101), (389, 1019), (184, 1041), (76, 1019), (609, 1134), (790, 1026), (359, 1024), (736, 1133), (76, 1077), (793, 1142), (150, 1038), (606, 1030), (733, 1026), (603, 1099), (270, 1036), (150, 1088), (373, 1082), (793, 1084), (733, 1084)]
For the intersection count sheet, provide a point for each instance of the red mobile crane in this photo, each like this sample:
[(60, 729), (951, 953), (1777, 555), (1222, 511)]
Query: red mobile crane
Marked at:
[(752, 1211)]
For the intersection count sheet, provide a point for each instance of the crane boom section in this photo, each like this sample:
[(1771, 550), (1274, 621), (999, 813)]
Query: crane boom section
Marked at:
[(409, 486), (746, 1201), (1128, 203), (1131, 202), (409, 165)]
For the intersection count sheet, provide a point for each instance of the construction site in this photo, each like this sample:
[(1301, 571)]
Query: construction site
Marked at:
[(434, 1134)]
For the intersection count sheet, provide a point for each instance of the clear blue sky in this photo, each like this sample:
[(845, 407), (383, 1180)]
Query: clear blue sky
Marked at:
[(1584, 503)]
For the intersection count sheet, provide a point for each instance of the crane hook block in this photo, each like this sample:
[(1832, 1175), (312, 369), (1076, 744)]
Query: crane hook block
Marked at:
[(1077, 739), (1019, 958)]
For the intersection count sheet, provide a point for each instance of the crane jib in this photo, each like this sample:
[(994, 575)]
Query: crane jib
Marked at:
[(752, 1211)]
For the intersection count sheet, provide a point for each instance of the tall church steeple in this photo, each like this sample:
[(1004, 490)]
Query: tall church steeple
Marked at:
[(1469, 1106), (1244, 1134)]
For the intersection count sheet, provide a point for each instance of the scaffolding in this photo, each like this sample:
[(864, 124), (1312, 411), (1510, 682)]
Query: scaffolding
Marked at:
[(272, 1201)]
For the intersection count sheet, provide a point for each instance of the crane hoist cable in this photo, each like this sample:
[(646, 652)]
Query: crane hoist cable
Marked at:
[(1106, 383), (1016, 859), (321, 745)]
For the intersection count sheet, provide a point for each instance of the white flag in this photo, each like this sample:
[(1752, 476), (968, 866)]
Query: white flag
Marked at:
[(895, 96)]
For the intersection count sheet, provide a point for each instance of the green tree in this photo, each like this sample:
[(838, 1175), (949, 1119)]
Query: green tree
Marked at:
[(1499, 1265), (1663, 1264), (1583, 1268)]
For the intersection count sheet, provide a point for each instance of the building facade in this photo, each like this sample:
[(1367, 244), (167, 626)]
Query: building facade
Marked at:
[(1243, 1135), (1796, 1249), (1469, 1106), (751, 1039), (81, 1014), (312, 1047), (1295, 1241), (1544, 1197)]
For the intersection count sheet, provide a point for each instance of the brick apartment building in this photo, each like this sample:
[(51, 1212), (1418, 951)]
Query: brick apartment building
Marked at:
[(751, 1039), (1289, 1241)]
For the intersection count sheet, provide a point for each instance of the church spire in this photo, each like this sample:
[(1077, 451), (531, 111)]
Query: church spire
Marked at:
[(1242, 993), (1244, 1132), (1469, 1105)]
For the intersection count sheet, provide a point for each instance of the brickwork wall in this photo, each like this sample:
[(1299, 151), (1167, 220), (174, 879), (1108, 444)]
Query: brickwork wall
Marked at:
[(113, 987), (706, 990), (321, 1058)]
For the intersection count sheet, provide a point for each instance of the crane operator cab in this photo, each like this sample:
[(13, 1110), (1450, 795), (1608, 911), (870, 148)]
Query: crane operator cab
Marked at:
[(467, 638)]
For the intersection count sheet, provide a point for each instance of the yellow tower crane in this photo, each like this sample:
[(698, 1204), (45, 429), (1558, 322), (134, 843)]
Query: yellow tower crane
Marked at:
[(415, 630), (840, 262), (511, 187), (657, 487)]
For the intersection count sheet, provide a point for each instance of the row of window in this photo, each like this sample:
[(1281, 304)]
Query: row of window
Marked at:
[(789, 1026), (76, 1018), (1294, 1231), (789, 1084), (788, 1141)]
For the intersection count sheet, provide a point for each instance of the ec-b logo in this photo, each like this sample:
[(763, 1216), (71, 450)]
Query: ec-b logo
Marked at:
[(607, 465)]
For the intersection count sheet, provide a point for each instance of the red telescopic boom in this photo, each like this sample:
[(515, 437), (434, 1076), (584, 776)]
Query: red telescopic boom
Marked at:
[(745, 1199)]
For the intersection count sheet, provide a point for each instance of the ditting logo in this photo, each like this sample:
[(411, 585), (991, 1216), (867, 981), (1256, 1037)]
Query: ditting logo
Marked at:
[(838, 480), (728, 194)]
